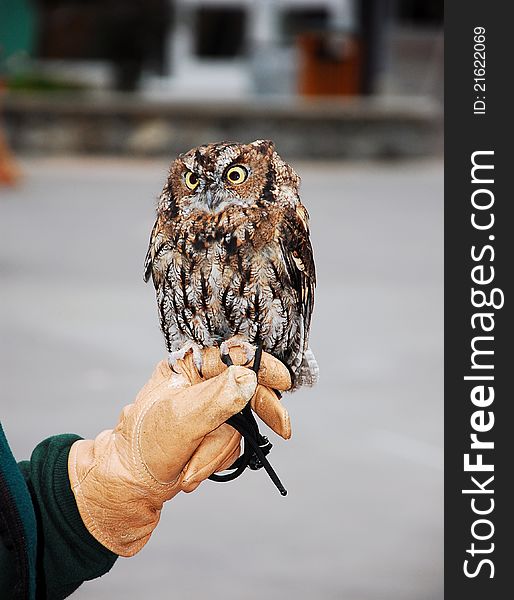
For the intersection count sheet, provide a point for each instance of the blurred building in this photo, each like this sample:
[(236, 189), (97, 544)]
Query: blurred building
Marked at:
[(239, 47), (231, 48), (323, 78)]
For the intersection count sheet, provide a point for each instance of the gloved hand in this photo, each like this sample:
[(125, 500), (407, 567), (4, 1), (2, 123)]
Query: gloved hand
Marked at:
[(169, 440)]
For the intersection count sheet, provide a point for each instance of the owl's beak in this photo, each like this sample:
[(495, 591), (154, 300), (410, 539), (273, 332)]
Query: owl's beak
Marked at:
[(209, 198), (212, 197)]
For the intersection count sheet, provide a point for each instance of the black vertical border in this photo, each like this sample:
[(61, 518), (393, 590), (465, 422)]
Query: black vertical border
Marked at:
[(464, 134)]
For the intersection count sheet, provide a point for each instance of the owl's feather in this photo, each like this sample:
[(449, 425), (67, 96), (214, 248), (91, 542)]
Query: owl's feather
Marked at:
[(293, 236)]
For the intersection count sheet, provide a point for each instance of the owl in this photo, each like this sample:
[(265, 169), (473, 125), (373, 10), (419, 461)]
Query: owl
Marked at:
[(230, 256)]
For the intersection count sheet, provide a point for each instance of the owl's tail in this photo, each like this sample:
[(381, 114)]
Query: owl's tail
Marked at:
[(308, 373)]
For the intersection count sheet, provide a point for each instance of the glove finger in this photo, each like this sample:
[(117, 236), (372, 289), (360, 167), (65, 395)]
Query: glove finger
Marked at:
[(272, 373), (192, 485), (213, 454), (269, 408), (179, 418), (201, 408), (163, 374), (230, 460)]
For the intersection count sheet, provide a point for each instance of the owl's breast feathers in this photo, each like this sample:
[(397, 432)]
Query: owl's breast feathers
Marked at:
[(245, 270)]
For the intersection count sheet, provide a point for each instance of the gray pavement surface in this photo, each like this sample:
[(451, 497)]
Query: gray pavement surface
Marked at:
[(363, 519)]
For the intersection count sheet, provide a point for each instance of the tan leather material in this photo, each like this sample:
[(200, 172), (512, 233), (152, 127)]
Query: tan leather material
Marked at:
[(122, 478), (169, 440), (222, 451), (269, 408), (178, 425), (272, 373)]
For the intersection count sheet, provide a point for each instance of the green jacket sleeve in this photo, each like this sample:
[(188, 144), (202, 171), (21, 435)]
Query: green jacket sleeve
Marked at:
[(67, 554), (17, 530)]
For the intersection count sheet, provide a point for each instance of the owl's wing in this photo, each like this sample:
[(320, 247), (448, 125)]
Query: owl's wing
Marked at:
[(149, 255), (153, 259), (299, 263)]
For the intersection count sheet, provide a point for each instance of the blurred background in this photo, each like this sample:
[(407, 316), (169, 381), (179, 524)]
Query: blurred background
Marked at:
[(324, 78), (96, 98)]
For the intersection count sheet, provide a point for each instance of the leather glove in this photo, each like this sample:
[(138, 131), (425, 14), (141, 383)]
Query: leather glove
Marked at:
[(169, 440)]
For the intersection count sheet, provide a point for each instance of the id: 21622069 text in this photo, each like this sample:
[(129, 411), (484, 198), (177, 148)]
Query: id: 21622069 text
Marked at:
[(479, 70)]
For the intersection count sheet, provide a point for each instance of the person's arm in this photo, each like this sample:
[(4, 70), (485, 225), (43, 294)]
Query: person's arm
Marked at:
[(67, 554), (45, 549)]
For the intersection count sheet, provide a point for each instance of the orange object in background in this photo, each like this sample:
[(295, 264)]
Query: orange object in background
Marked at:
[(330, 64), (9, 171)]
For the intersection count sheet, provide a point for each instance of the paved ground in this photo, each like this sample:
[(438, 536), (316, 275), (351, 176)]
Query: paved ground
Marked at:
[(363, 518)]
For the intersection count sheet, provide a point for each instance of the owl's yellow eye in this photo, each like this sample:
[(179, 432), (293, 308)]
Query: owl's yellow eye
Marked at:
[(236, 175), (192, 180)]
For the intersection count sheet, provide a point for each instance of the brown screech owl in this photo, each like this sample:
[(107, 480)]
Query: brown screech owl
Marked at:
[(230, 256)]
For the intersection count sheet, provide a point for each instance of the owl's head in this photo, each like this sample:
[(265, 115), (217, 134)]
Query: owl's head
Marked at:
[(213, 177)]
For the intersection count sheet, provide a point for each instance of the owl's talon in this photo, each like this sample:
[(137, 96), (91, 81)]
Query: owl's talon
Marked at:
[(197, 358), (175, 356), (238, 341)]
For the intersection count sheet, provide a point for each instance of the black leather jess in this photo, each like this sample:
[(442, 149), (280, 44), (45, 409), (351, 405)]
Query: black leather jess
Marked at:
[(256, 446)]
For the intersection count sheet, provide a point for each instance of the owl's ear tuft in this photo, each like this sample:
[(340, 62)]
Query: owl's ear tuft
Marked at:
[(264, 146)]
